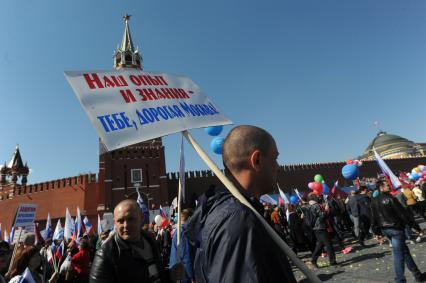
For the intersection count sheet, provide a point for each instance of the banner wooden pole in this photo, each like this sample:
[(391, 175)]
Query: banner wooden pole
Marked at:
[(15, 248), (178, 218), (234, 191)]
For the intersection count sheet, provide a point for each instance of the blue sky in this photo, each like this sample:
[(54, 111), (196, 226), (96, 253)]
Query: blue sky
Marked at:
[(316, 74)]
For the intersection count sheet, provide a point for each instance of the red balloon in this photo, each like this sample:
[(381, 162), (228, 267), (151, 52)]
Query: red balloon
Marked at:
[(317, 188), (350, 161)]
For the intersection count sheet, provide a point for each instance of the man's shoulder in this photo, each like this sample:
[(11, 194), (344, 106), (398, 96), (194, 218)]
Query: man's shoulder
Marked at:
[(108, 248), (232, 215), (230, 207)]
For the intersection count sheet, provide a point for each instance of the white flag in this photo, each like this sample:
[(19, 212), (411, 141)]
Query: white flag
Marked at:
[(69, 225), (387, 171)]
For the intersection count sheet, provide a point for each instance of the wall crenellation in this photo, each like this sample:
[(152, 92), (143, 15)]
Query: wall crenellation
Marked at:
[(49, 185), (283, 168), (151, 151), (192, 174)]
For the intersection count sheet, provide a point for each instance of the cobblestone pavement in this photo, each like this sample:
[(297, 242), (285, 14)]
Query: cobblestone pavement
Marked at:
[(371, 263)]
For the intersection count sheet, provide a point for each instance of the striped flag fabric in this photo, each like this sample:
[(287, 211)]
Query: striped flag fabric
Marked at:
[(144, 208), (79, 228), (100, 229), (88, 225), (50, 253), (58, 234), (27, 277), (11, 235), (394, 181), (163, 215), (6, 236), (298, 194), (60, 251), (69, 225), (49, 230), (283, 195), (162, 212), (38, 238)]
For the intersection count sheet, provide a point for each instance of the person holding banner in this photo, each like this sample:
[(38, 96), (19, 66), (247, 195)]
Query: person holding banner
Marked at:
[(231, 244), (186, 250), (131, 255)]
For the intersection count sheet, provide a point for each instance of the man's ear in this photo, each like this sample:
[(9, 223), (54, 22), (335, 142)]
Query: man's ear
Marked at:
[(255, 160)]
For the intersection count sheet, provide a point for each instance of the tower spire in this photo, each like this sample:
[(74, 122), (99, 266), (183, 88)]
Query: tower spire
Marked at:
[(16, 160), (126, 42), (126, 56)]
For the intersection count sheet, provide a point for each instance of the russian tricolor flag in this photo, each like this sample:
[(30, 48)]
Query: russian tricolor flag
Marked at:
[(163, 215), (394, 181)]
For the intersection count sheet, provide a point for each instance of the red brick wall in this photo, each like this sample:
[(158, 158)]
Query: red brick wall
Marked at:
[(53, 197), (293, 176), (115, 174)]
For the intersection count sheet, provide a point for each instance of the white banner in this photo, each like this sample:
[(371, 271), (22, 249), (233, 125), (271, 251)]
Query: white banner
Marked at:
[(25, 215), (131, 106)]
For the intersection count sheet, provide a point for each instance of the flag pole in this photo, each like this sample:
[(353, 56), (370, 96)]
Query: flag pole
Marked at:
[(234, 191), (15, 248), (178, 220), (179, 201)]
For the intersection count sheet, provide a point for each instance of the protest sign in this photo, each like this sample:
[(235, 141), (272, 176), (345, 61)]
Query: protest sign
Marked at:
[(108, 221), (131, 106), (25, 215)]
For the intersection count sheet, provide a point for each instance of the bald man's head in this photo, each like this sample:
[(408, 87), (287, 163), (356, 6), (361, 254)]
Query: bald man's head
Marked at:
[(128, 220), (240, 144), (128, 204)]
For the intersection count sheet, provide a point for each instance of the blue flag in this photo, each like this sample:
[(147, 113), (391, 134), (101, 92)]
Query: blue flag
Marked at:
[(144, 209), (27, 277)]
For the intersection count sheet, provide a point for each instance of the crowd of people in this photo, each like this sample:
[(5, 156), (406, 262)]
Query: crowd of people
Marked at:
[(222, 240), (320, 223)]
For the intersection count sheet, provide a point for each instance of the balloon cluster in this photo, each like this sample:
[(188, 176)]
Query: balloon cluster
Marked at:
[(216, 144), (317, 186), (351, 170), (418, 173)]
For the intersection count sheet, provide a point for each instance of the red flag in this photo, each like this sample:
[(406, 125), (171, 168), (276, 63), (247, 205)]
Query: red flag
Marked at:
[(60, 252), (38, 237)]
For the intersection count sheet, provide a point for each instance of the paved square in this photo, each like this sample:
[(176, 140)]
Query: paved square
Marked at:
[(372, 263)]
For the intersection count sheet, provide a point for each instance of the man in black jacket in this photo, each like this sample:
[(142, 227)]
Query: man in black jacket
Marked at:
[(317, 220), (390, 218), (364, 208), (131, 255), (231, 244), (353, 210)]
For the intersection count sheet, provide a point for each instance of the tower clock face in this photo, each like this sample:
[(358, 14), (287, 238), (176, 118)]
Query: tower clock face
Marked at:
[(136, 175)]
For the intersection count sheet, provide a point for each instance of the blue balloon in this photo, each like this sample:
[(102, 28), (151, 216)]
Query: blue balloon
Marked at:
[(350, 171), (325, 189), (294, 199), (214, 131), (414, 176), (376, 193), (216, 145)]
